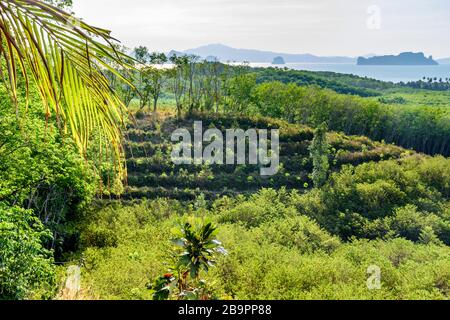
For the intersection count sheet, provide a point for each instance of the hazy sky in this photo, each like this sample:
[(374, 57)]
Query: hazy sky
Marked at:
[(322, 27)]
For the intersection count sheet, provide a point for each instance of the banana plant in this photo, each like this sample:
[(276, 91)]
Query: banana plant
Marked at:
[(44, 47)]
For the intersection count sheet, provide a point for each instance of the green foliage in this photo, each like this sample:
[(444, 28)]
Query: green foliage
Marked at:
[(287, 257), (393, 100), (46, 48), (99, 237), (424, 129), (41, 169), (382, 200), (197, 248), (268, 271), (262, 207), (382, 205), (429, 84), (427, 236), (26, 267), (416, 98), (320, 152), (278, 99), (153, 80), (298, 232), (282, 244), (152, 173), (151, 76), (162, 287), (413, 119), (240, 90), (341, 83)]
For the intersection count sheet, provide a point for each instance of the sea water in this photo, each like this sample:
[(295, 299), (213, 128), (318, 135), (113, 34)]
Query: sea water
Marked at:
[(385, 73)]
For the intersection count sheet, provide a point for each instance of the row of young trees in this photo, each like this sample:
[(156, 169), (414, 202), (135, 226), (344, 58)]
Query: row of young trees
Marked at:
[(194, 84), (428, 83)]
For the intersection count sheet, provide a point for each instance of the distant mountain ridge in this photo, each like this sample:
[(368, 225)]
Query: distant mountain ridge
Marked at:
[(226, 53), (405, 58)]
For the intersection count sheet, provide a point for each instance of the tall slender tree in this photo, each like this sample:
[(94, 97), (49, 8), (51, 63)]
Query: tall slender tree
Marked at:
[(154, 77), (320, 151), (178, 81)]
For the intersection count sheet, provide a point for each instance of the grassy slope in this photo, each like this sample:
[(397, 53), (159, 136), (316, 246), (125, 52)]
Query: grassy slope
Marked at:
[(152, 173)]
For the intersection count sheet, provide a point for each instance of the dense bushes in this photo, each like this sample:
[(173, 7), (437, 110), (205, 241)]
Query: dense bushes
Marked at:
[(262, 207), (273, 253), (379, 200), (409, 271), (297, 232), (26, 267), (425, 129), (406, 198), (287, 245), (342, 83), (290, 245), (43, 171)]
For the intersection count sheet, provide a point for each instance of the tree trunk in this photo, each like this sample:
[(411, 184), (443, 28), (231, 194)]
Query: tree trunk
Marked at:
[(155, 105)]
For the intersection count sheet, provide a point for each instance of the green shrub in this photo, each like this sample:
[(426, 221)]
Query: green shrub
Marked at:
[(281, 257), (266, 205), (298, 232), (385, 199), (254, 271), (99, 236), (26, 267), (42, 170)]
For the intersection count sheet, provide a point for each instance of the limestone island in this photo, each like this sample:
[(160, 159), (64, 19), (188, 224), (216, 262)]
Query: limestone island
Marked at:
[(403, 59), (278, 60)]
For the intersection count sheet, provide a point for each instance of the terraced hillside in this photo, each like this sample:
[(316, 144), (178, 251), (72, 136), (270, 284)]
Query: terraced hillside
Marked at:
[(152, 173)]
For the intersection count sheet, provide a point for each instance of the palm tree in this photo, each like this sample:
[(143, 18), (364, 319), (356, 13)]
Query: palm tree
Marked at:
[(65, 59)]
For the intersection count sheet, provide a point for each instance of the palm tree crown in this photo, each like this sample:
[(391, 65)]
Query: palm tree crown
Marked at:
[(65, 59)]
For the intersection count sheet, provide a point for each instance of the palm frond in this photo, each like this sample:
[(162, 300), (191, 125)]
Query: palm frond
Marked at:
[(65, 58)]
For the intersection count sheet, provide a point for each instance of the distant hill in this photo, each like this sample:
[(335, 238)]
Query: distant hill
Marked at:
[(405, 58), (175, 53), (278, 60), (226, 53)]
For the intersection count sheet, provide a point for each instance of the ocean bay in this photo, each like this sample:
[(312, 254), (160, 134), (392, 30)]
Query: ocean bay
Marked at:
[(385, 73)]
